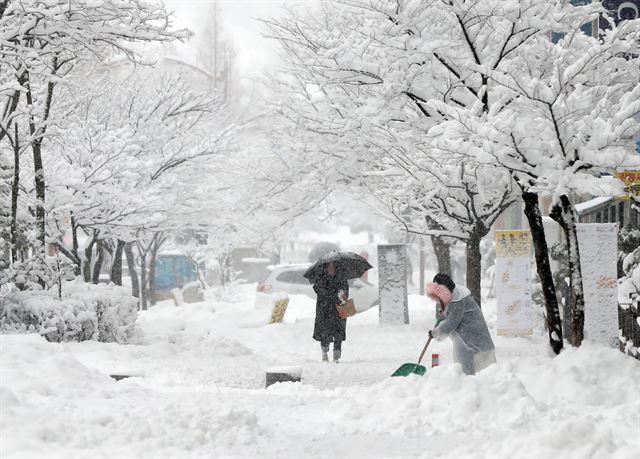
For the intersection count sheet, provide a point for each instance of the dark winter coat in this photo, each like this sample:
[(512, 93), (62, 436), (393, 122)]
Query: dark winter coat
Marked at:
[(328, 325)]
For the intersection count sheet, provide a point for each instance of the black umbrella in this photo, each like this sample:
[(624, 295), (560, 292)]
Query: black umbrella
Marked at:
[(348, 265)]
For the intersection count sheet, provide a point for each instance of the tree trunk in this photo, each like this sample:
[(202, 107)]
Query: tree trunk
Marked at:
[(36, 148), (10, 108), (157, 243), (116, 263), (74, 237), (441, 248), (200, 276), (88, 256), (15, 189), (442, 251), (40, 193), (152, 278), (37, 134), (554, 324), (143, 281), (474, 267), (3, 7), (222, 263), (72, 254), (131, 265), (97, 266), (566, 311), (563, 213)]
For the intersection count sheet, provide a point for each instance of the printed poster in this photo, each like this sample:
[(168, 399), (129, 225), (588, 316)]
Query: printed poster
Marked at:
[(598, 243), (513, 283)]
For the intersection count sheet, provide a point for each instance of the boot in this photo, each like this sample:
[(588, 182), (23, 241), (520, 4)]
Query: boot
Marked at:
[(336, 356), (325, 353)]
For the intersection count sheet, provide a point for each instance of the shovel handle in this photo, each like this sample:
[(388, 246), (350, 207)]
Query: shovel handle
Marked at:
[(424, 349)]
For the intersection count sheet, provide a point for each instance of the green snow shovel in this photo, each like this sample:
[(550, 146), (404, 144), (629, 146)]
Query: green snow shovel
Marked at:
[(407, 369)]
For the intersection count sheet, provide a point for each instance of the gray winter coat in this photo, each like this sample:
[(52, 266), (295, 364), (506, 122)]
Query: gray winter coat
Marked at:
[(465, 325)]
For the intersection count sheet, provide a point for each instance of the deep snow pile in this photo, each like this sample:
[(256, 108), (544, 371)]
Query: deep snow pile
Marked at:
[(202, 394)]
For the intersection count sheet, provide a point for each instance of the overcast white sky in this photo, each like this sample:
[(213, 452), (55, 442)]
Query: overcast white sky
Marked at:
[(255, 52)]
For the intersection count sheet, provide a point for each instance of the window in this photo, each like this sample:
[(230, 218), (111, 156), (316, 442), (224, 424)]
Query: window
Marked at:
[(598, 217), (612, 213), (292, 277)]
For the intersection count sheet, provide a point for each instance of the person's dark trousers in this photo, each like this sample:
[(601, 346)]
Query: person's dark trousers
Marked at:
[(337, 350)]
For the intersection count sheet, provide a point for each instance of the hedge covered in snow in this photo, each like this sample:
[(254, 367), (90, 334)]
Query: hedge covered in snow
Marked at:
[(104, 313), (629, 300)]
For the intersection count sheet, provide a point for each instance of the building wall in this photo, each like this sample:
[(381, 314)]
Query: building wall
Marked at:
[(624, 212)]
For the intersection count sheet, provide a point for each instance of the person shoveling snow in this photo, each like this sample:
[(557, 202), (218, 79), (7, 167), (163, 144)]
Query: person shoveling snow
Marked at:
[(463, 323)]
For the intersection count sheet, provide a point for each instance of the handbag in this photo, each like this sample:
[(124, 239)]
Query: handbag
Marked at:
[(347, 309)]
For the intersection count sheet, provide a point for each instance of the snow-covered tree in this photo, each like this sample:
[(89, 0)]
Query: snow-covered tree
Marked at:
[(40, 42), (134, 161), (355, 78), (561, 115), (216, 54), (430, 71)]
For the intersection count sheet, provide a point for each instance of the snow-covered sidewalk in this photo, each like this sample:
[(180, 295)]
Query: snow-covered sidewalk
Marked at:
[(202, 393)]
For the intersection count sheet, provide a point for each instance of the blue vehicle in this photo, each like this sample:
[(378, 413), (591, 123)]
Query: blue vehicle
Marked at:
[(172, 271)]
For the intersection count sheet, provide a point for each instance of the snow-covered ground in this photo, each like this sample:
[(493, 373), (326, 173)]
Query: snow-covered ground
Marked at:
[(201, 393)]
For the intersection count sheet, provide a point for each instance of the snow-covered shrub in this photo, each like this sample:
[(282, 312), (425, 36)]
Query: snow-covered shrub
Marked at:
[(628, 241), (38, 272), (4, 276), (629, 302), (104, 313)]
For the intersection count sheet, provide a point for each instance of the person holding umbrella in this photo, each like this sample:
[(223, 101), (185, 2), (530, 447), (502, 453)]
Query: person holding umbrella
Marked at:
[(329, 276), (464, 323)]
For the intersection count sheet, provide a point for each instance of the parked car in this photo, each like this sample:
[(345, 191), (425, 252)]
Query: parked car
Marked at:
[(290, 279)]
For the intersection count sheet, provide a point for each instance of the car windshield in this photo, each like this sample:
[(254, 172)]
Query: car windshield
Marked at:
[(293, 276)]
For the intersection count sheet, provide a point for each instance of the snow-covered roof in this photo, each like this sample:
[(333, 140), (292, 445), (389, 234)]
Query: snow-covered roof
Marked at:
[(255, 260), (592, 203), (171, 252), (289, 266)]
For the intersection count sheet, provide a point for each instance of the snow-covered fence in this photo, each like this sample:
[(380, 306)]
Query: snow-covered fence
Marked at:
[(629, 323), (104, 313)]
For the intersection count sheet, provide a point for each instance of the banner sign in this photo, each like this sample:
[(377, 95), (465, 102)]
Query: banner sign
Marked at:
[(392, 282), (598, 244), (513, 283), (631, 180)]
